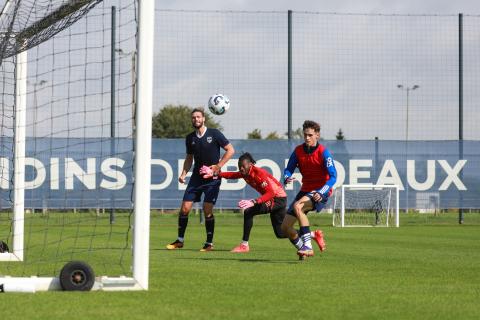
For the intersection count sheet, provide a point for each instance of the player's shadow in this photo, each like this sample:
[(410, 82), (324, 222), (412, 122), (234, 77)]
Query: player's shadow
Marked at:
[(250, 260), (190, 250)]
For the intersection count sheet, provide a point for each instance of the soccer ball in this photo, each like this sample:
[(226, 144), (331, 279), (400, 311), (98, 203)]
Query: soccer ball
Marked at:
[(218, 104)]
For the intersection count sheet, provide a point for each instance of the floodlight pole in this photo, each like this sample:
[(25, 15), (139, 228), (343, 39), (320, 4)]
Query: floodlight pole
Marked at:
[(406, 125), (407, 89)]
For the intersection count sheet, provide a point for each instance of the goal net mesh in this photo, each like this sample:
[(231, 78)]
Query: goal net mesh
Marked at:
[(79, 133), (365, 206)]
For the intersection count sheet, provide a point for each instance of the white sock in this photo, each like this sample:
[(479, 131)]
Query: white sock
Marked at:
[(245, 243), (306, 240), (180, 239)]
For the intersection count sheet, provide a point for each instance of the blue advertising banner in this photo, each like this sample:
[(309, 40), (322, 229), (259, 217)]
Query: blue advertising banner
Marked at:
[(428, 173), (66, 173)]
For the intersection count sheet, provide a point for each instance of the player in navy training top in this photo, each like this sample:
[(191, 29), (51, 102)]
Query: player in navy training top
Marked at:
[(203, 149), (318, 177)]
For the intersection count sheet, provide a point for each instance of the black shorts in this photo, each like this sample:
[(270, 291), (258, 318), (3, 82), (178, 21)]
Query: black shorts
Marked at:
[(318, 205), (278, 205), (197, 185), (277, 209)]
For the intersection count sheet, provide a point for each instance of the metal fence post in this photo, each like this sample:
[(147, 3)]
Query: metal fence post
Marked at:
[(289, 129), (112, 102), (460, 106)]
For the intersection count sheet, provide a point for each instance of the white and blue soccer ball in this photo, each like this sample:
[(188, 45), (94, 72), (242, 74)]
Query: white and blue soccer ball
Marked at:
[(218, 104)]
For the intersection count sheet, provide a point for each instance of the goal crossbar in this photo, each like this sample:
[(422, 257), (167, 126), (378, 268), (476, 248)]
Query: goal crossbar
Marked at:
[(59, 14)]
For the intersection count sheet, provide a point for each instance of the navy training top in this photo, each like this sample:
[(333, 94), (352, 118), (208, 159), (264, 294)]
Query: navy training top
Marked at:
[(205, 149)]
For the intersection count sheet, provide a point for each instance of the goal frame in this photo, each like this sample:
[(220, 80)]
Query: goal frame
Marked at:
[(142, 170), (367, 187)]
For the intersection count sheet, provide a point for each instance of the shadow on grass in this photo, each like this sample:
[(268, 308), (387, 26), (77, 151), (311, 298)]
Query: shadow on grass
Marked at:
[(189, 250), (251, 260)]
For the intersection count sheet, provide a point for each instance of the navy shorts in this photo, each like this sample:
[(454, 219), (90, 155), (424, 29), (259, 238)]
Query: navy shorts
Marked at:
[(319, 205), (197, 185)]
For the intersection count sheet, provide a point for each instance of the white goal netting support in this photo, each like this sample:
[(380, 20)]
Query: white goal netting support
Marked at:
[(366, 206), (75, 144)]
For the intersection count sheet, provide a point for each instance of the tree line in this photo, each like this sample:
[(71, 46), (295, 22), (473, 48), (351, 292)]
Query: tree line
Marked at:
[(173, 121)]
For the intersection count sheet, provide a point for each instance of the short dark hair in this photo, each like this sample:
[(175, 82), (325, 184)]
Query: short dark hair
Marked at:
[(199, 109), (246, 156), (309, 124)]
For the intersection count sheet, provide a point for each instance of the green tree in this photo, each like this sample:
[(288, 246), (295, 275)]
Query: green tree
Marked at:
[(296, 134), (272, 136), (255, 134), (173, 121), (340, 135)]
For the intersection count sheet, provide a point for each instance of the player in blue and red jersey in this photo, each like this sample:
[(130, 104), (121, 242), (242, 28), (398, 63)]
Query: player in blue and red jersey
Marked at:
[(318, 177), (273, 198)]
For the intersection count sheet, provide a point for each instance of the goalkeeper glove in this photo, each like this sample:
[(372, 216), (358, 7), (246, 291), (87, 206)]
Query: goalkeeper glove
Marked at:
[(245, 204), (208, 172)]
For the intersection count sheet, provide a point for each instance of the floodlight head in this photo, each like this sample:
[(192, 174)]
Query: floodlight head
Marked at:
[(399, 86), (415, 87)]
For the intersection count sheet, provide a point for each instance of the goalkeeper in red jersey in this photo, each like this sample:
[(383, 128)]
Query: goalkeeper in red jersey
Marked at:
[(273, 199), (318, 177)]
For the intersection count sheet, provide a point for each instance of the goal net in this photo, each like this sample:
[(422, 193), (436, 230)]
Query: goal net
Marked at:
[(366, 206), (72, 135)]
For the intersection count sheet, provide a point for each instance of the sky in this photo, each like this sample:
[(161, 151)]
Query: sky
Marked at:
[(346, 66), (341, 6)]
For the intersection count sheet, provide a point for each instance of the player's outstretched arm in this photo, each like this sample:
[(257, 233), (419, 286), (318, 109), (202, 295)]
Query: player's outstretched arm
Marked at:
[(207, 173), (268, 192)]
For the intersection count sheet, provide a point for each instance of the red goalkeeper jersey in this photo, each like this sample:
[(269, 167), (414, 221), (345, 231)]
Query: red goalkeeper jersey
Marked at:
[(260, 180)]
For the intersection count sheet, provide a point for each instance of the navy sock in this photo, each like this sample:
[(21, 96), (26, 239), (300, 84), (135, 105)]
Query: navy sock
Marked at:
[(304, 230), (210, 228), (182, 224)]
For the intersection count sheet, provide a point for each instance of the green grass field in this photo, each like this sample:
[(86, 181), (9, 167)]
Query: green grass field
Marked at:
[(429, 268)]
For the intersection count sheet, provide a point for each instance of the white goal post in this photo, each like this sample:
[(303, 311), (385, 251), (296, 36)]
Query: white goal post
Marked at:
[(141, 173), (366, 206)]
